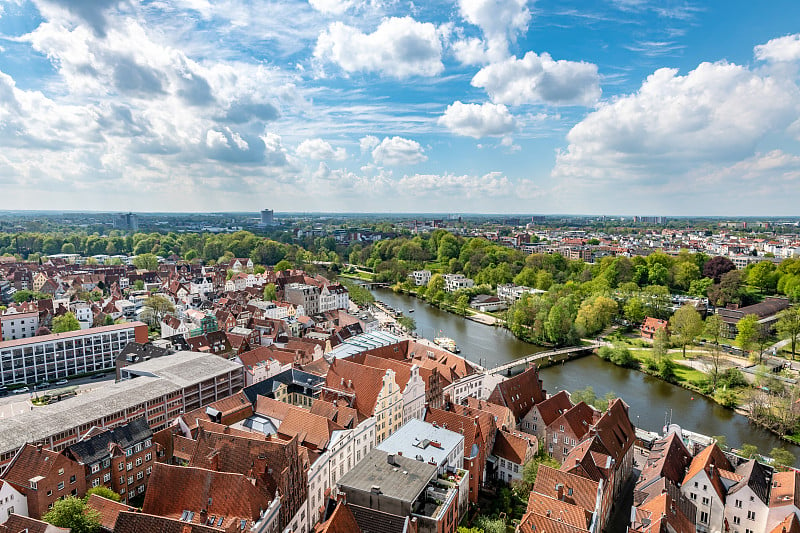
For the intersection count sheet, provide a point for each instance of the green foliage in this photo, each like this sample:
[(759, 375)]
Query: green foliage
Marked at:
[(138, 285), (635, 310), (699, 287), (270, 292), (155, 308), (732, 378), (748, 451), (686, 324), (26, 295), (146, 261), (589, 397), (407, 323), (749, 330), (359, 294), (282, 265), (73, 513), (65, 322), (666, 370), (103, 492), (782, 457), (788, 327), (727, 398), (595, 314), (619, 355), (491, 525)]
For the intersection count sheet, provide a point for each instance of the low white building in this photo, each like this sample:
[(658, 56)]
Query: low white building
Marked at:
[(511, 293), (454, 282), (420, 277), (15, 325)]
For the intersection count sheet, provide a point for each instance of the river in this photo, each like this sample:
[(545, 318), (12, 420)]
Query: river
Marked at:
[(651, 400)]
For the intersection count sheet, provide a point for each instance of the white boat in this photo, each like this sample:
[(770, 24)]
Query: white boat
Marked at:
[(447, 343), (410, 310)]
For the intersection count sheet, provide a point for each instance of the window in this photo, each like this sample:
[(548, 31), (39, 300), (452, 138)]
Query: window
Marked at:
[(705, 500), (95, 468), (736, 520), (121, 480), (138, 461), (121, 466), (130, 480), (566, 451), (60, 485), (147, 443), (139, 475), (148, 470), (60, 471), (693, 496), (130, 465), (148, 456), (106, 477), (95, 482), (751, 515), (703, 517), (738, 504)]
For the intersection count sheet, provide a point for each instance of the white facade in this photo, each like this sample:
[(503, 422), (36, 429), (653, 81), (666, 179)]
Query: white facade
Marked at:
[(511, 293), (710, 506), (472, 385), (169, 331), (421, 277), (745, 511), (201, 287), (11, 502), (454, 282), (345, 450), (83, 312), (19, 325), (262, 370), (327, 301), (414, 397)]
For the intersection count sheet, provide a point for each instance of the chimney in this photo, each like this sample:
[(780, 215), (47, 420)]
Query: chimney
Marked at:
[(390, 459), (560, 491)]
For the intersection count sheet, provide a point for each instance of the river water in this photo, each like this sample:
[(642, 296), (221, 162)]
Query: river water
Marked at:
[(651, 400)]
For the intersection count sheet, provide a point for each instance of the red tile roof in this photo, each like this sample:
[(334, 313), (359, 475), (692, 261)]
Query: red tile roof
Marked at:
[(129, 522), (790, 524), (514, 447), (710, 460), (520, 392), (554, 406), (576, 490), (340, 521), (785, 489), (559, 510), (23, 524), (109, 510)]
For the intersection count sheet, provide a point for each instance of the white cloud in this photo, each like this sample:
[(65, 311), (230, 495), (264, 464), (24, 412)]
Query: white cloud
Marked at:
[(781, 49), (396, 151), (536, 79), (478, 120), (398, 48), (456, 186), (715, 115), (368, 142), (333, 7), (499, 20), (320, 149)]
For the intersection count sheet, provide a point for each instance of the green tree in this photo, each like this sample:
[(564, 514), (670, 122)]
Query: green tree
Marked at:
[(282, 265), (635, 310), (157, 306), (686, 324), (782, 457), (660, 344), (73, 513), (270, 292), (595, 314), (666, 369), (103, 492), (435, 287), (68, 248), (722, 441), (699, 287), (685, 274), (749, 330), (146, 261), (760, 275), (714, 327), (138, 285), (407, 323), (748, 450), (491, 525), (462, 303), (788, 327), (65, 322)]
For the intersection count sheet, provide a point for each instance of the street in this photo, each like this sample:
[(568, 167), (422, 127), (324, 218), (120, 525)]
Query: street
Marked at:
[(14, 404)]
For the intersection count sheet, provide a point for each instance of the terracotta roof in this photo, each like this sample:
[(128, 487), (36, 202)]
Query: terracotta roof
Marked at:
[(130, 522), (616, 430), (785, 489), (559, 510), (23, 524), (536, 523), (313, 431), (500, 412), (32, 461), (711, 456), (109, 510), (790, 524), (554, 406), (753, 475), (576, 490), (366, 381), (458, 423), (659, 512), (513, 447), (340, 521), (589, 459), (337, 411), (171, 490), (271, 408), (520, 392), (668, 458), (579, 419)]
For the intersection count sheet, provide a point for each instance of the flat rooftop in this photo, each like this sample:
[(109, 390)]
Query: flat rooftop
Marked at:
[(362, 343), (158, 378), (403, 481), (423, 441), (70, 334)]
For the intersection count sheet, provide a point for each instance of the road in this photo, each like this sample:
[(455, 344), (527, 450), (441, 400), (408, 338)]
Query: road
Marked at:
[(14, 404)]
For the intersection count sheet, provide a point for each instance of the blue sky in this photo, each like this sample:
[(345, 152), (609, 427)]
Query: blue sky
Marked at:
[(615, 107)]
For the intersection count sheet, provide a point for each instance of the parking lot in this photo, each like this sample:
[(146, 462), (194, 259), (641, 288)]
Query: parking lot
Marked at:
[(14, 404)]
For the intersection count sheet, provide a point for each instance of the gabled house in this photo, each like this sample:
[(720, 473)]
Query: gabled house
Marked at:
[(519, 393), (541, 415), (705, 485)]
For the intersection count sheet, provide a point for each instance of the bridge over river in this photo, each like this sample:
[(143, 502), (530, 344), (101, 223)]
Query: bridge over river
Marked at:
[(557, 354)]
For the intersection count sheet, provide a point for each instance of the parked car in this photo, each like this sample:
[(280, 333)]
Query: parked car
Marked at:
[(98, 376), (62, 382), (23, 389)]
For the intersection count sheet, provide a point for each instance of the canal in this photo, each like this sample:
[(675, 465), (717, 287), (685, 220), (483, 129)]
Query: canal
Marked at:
[(651, 400)]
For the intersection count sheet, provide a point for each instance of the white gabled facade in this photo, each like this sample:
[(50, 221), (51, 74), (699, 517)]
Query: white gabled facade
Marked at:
[(710, 506), (414, 397), (11, 502), (745, 511)]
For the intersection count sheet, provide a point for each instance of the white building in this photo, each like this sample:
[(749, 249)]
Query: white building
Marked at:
[(423, 441), (454, 282), (83, 312), (11, 502), (747, 500), (19, 325), (201, 286), (421, 277), (511, 293), (60, 355)]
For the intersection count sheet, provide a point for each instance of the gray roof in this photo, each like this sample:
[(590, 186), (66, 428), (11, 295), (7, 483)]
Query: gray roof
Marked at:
[(362, 343), (159, 377), (418, 440), (95, 448), (290, 377), (403, 482)]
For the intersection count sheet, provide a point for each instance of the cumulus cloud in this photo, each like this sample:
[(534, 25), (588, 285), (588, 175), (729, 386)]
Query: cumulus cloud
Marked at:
[(715, 115), (539, 79), (396, 151), (500, 22), (91, 12), (320, 149), (460, 186), (398, 48), (478, 120), (781, 49), (368, 142), (333, 7)]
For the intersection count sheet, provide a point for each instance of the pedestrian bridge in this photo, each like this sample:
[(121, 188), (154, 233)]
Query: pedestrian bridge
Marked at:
[(549, 355)]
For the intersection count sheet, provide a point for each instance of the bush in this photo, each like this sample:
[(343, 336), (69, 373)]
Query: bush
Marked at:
[(732, 378), (666, 370)]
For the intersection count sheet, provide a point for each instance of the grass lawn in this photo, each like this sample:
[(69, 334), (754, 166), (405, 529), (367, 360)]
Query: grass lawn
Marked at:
[(685, 374)]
